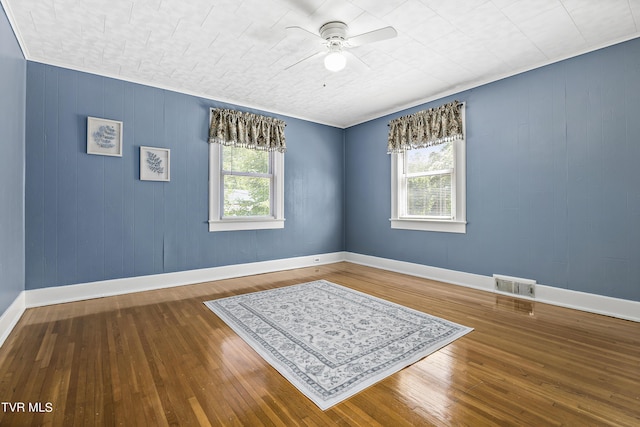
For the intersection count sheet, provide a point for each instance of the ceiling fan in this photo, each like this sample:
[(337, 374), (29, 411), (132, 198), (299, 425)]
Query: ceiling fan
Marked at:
[(333, 35)]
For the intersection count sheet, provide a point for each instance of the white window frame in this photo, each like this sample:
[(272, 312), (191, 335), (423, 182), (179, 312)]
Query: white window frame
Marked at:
[(219, 223), (458, 223)]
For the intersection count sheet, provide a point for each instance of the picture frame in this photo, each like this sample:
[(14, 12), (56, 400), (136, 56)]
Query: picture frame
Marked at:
[(104, 137), (155, 164)]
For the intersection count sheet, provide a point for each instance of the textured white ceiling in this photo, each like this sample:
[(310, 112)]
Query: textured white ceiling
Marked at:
[(237, 51)]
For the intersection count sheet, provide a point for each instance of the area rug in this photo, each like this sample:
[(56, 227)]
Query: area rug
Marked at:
[(331, 341)]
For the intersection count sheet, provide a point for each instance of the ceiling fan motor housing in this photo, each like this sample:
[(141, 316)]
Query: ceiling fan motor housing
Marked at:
[(334, 30)]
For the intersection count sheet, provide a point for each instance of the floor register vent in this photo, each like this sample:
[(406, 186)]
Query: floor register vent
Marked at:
[(515, 286)]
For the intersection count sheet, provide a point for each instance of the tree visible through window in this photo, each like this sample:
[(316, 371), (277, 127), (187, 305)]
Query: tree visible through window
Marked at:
[(429, 179), (247, 181)]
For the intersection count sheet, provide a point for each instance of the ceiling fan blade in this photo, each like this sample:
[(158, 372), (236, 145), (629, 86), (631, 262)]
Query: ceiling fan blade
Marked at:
[(305, 33), (305, 7), (307, 58), (372, 36)]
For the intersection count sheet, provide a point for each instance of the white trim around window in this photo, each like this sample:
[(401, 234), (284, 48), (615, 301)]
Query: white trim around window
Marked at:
[(458, 222), (216, 220)]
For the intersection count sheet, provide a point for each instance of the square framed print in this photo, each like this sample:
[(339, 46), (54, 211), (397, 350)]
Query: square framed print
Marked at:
[(104, 137), (155, 164)]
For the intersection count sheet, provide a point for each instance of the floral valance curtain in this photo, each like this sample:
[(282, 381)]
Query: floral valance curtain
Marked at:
[(247, 130), (426, 128)]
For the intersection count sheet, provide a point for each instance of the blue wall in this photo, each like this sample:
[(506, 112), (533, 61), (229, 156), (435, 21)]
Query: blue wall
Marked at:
[(90, 218), (553, 179), (12, 164)]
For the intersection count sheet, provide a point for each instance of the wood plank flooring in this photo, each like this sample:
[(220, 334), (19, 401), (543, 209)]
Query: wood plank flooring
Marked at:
[(162, 358)]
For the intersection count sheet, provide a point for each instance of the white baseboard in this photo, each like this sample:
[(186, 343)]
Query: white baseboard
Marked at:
[(613, 307), (11, 316), (599, 304), (469, 280), (104, 288)]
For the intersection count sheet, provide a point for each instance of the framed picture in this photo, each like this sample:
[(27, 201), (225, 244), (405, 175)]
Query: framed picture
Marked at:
[(155, 164), (104, 137)]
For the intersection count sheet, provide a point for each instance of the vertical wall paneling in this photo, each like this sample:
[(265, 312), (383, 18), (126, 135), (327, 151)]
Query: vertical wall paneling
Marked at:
[(68, 206), (114, 183), (12, 165), (90, 218), (552, 178), (93, 172), (35, 178), (50, 175)]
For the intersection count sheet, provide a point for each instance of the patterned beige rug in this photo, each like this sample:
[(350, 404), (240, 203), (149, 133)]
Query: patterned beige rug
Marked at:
[(331, 341)]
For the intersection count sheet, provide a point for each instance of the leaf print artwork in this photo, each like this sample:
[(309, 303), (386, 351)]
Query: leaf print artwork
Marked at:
[(105, 136), (154, 163)]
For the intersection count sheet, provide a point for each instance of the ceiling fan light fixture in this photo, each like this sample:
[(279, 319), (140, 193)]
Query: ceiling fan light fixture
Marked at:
[(335, 61), (334, 37)]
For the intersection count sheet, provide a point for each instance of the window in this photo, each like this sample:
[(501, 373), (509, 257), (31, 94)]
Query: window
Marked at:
[(246, 188), (428, 188), (429, 182)]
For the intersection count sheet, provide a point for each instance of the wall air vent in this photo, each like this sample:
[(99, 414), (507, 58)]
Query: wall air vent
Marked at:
[(515, 286)]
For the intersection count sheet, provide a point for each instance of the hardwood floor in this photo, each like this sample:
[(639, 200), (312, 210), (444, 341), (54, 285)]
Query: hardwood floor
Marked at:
[(162, 358)]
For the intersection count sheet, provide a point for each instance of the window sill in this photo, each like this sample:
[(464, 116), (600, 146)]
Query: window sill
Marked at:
[(444, 226), (245, 224)]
